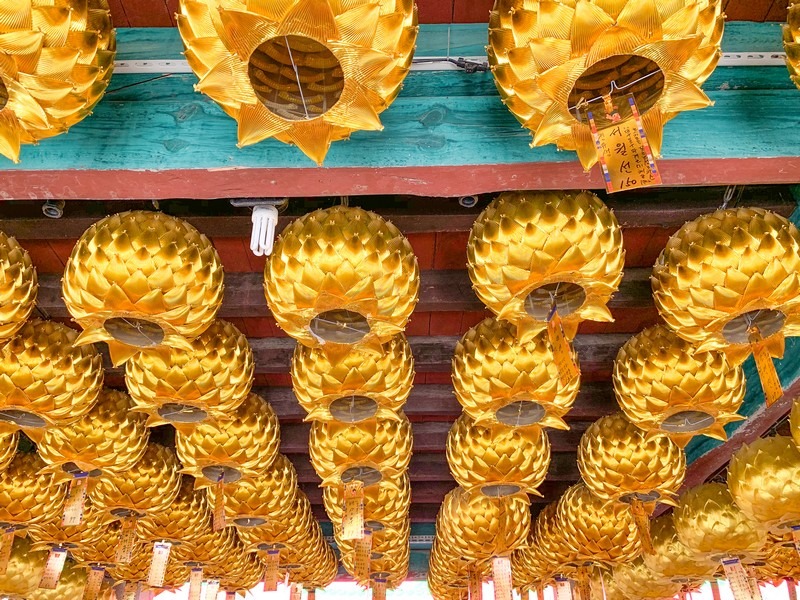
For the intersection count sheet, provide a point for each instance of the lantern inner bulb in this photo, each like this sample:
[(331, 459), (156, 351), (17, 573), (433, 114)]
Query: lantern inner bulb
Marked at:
[(566, 297), (767, 322)]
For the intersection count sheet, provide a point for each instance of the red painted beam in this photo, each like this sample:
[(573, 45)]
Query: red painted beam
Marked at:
[(420, 181)]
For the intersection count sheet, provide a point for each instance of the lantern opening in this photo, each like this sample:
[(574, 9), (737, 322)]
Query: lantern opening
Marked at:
[(266, 547), (339, 327), (687, 421), (379, 575), (3, 95), (767, 322), (374, 526), (641, 497), (376, 555), (500, 490), (366, 475), (22, 418), (217, 473), (126, 513), (249, 521), (520, 413), (181, 413), (623, 74), (134, 332), (73, 469), (567, 298), (352, 409), (296, 77)]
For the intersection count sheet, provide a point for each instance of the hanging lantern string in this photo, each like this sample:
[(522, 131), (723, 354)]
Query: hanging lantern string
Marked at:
[(297, 76), (141, 331), (613, 88)]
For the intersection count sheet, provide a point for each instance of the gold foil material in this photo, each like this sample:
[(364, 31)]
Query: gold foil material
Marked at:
[(139, 568), (24, 570), (8, 448), (781, 562), (619, 461), (70, 586), (595, 531), (148, 487), (635, 580), (109, 438), (239, 574), (495, 459), (245, 445), (567, 243), (184, 520), (58, 62), (45, 379), (387, 502), (268, 496), (305, 72), (673, 561), (794, 422), (664, 385), (19, 284), (723, 266), (102, 551), (791, 41), (382, 445), (709, 523), (494, 371), (142, 281), (28, 496), (548, 59), (764, 480), (52, 532), (186, 387), (384, 377), (291, 531), (211, 548), (342, 260)]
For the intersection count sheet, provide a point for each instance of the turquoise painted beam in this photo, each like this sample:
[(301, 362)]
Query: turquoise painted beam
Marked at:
[(448, 134)]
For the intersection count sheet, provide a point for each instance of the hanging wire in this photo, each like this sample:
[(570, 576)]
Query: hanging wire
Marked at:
[(297, 76), (613, 88)]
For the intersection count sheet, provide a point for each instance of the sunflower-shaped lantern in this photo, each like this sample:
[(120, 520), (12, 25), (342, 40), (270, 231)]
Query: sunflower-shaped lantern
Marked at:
[(58, 62), (499, 378), (620, 462), (45, 379), (791, 41), (673, 561), (342, 276), (729, 281), (109, 438), (358, 385), (245, 445), (142, 281), (186, 387), (19, 285), (547, 63), (537, 256), (496, 459), (306, 72), (663, 384)]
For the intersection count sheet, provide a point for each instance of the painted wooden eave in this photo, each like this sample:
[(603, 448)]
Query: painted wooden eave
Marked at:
[(448, 134)]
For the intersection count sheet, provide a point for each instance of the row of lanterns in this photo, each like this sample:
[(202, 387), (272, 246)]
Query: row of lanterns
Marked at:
[(726, 286), (309, 73)]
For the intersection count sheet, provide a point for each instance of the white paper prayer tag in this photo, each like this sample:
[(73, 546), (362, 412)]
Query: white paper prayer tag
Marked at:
[(501, 575), (195, 583), (158, 565), (127, 536), (94, 581), (361, 558), (737, 578), (53, 568), (563, 589), (212, 589), (76, 500)]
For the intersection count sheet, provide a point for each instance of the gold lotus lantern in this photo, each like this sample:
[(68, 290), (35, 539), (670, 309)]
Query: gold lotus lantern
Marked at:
[(386, 539), (764, 480), (549, 541), (499, 378), (388, 501), (618, 461), (51, 78), (184, 520), (290, 531), (71, 584), (53, 533), (710, 524), (27, 495), (25, 569), (45, 379), (102, 552), (370, 451), (265, 497), (635, 580), (781, 562), (791, 41), (305, 72), (497, 460), (238, 575), (245, 445), (549, 62), (148, 487), (534, 255), (729, 281), (19, 284), (142, 281), (138, 570), (108, 438), (664, 385), (187, 387), (212, 547), (671, 560), (340, 277), (358, 385)]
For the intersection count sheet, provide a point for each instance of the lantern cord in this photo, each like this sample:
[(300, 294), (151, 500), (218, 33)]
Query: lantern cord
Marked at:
[(613, 88), (297, 76)]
